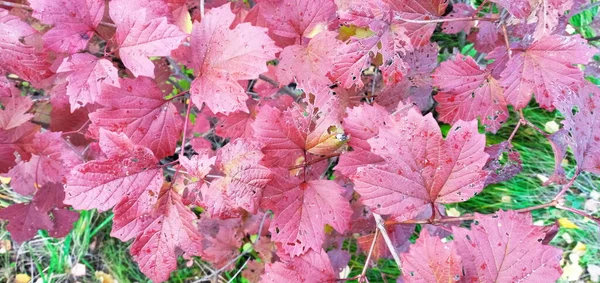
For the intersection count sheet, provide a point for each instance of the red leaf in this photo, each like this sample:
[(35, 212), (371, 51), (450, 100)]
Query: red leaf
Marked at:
[(297, 19), (138, 109), (518, 8), (547, 16), (86, 75), (431, 260), (221, 242), (15, 140), (459, 10), (302, 209), (313, 266), (506, 247), (503, 163), (14, 110), (222, 56), (17, 53), (74, 22), (466, 92), (51, 160), (172, 230), (421, 167), (26, 218), (308, 65), (129, 169), (419, 33), (140, 35), (546, 69)]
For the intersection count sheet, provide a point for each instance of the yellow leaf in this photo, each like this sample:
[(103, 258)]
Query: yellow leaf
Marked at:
[(353, 31), (22, 278), (4, 180), (566, 223), (104, 278)]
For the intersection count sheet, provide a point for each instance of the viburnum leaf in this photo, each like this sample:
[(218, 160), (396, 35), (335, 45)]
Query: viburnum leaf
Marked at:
[(18, 54), (16, 140), (487, 37), (518, 8), (221, 240), (419, 33), (297, 19), (506, 247), (101, 184), (421, 168), (24, 219), (302, 208), (50, 162), (138, 109), (308, 65), (504, 162), (244, 178), (459, 10), (86, 75), (431, 260), (170, 233), (74, 22), (313, 266), (546, 69), (222, 56), (547, 16), (14, 110), (467, 92), (582, 118), (139, 35), (120, 10)]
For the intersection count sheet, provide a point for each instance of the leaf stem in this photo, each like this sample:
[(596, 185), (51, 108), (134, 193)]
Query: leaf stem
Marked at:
[(381, 226), (185, 124), (447, 20), (364, 271), (275, 83)]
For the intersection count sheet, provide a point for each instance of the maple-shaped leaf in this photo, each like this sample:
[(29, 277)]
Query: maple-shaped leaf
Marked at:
[(547, 15), (361, 124), (518, 8), (141, 35), (74, 22), (487, 36), (222, 56), (221, 240), (431, 260), (244, 178), (170, 233), (25, 219), (63, 120), (51, 160), (467, 92), (302, 208), (18, 53), (546, 69), (308, 65), (313, 266), (297, 19), (86, 75), (16, 140), (506, 247), (14, 110), (129, 170), (459, 10), (421, 168), (581, 120), (419, 33), (138, 109)]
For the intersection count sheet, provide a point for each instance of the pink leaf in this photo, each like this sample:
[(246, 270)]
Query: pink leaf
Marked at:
[(419, 33), (15, 140), (222, 56), (506, 247), (302, 209), (467, 92), (101, 184), (518, 8), (546, 69), (171, 231), (140, 37), (459, 10), (17, 54), (297, 19), (421, 167), (86, 75), (14, 110), (138, 109), (74, 22), (431, 260), (313, 266)]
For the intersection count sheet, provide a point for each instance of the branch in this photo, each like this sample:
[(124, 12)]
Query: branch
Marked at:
[(447, 20), (275, 83), (381, 227), (364, 271)]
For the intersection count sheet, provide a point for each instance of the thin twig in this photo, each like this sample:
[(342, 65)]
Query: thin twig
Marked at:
[(381, 226), (578, 212), (276, 84), (364, 271), (567, 186), (185, 124), (15, 5), (447, 20), (299, 166), (506, 42)]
